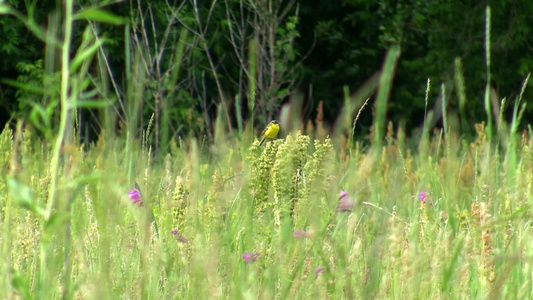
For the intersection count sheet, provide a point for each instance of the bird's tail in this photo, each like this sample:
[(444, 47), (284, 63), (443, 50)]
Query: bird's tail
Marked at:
[(262, 141)]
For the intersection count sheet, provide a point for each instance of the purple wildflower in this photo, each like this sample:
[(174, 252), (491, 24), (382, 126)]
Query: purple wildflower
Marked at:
[(343, 194), (300, 234), (136, 198), (318, 271), (180, 238), (250, 258), (345, 203), (423, 196)]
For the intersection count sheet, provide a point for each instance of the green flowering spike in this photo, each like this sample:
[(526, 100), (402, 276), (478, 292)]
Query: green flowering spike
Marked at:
[(288, 174), (316, 183), (282, 167), (464, 220), (179, 203), (26, 150), (299, 175), (217, 184), (6, 144), (281, 177), (261, 175)]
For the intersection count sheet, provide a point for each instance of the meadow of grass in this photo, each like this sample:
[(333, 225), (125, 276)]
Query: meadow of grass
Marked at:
[(304, 217), (243, 222)]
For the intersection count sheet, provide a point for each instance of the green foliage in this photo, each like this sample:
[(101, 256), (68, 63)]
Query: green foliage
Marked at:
[(461, 241), (23, 196), (315, 183), (260, 55), (349, 47), (65, 204), (98, 15), (31, 79), (65, 214), (287, 175)]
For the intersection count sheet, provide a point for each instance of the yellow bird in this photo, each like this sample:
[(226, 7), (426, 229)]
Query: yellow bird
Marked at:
[(270, 132)]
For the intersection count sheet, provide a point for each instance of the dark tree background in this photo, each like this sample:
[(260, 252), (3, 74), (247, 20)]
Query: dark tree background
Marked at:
[(319, 48)]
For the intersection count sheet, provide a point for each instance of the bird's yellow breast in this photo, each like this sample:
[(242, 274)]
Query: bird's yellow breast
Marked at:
[(272, 131)]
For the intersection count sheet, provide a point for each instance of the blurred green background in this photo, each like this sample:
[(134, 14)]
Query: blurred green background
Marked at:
[(313, 48)]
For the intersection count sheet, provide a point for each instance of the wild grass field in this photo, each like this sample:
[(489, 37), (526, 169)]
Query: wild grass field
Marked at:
[(296, 219), (312, 214)]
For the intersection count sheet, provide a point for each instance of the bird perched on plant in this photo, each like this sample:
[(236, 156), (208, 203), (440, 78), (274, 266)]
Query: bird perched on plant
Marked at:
[(270, 132)]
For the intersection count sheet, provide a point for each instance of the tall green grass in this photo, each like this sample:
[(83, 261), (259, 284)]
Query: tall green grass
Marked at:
[(470, 238), (448, 220)]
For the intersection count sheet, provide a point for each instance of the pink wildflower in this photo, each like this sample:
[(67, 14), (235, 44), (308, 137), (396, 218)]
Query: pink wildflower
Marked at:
[(250, 257), (300, 234), (345, 203), (318, 271), (423, 196)]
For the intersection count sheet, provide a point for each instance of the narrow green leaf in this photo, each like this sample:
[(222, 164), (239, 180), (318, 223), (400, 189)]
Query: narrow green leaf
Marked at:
[(89, 94), (99, 15), (238, 113), (449, 269), (85, 55), (22, 195), (92, 103), (178, 57), (39, 118), (385, 84), (23, 86), (252, 71)]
